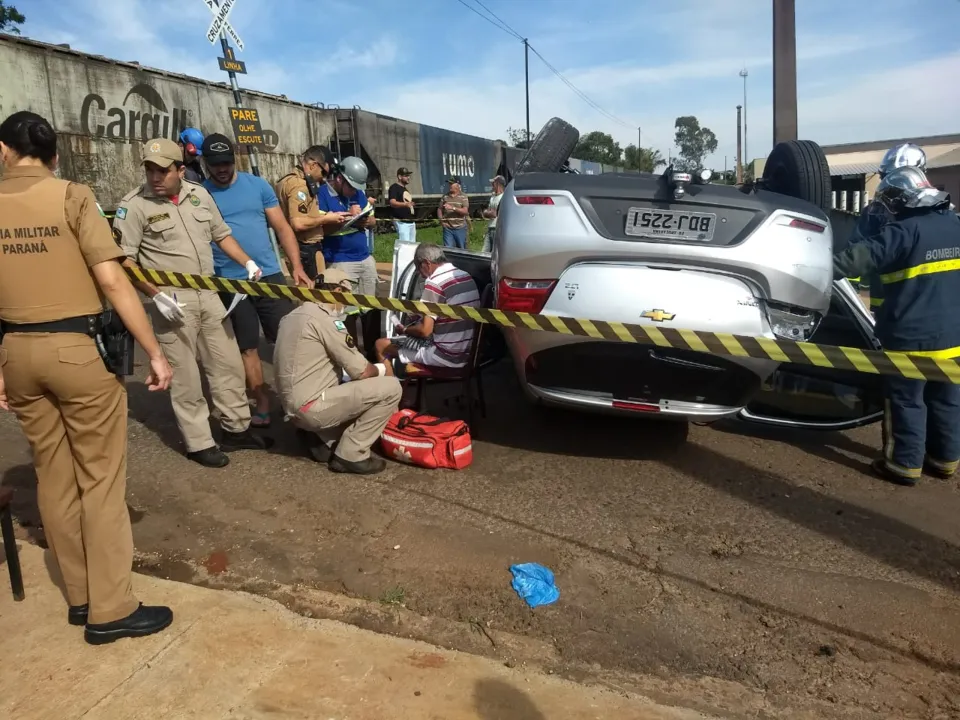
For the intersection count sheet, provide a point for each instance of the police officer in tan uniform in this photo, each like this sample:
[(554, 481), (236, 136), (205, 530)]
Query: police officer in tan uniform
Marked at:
[(338, 423), (169, 223), (59, 261), (299, 205)]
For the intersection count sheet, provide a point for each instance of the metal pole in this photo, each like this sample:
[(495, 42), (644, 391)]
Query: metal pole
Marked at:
[(639, 151), (739, 151), (784, 70), (526, 75), (228, 54), (746, 151)]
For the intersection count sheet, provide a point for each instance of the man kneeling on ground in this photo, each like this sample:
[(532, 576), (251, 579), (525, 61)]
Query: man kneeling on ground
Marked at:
[(435, 342), (338, 423)]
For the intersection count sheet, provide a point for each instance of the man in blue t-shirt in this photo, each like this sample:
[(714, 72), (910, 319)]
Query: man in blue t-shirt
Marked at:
[(249, 206), (346, 248)]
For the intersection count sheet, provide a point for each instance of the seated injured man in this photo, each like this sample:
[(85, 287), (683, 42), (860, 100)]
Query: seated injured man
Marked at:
[(427, 342), (338, 422)]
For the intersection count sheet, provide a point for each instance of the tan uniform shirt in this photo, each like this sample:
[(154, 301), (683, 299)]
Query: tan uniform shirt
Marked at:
[(159, 235), (312, 347), (452, 219), (296, 201), (51, 234)]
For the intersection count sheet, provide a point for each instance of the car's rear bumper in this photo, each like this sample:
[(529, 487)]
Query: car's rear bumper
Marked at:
[(665, 409)]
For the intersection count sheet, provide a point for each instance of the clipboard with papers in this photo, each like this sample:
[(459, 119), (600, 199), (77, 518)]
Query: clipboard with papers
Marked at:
[(356, 218)]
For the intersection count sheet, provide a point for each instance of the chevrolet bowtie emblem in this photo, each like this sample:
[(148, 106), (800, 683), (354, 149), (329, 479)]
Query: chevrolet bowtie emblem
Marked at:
[(657, 315)]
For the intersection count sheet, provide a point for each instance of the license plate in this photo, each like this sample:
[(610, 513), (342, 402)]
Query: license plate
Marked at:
[(671, 224)]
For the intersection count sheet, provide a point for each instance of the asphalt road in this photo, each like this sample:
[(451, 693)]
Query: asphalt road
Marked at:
[(751, 575)]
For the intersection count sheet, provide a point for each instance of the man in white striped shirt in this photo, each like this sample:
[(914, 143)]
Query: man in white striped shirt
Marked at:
[(431, 341)]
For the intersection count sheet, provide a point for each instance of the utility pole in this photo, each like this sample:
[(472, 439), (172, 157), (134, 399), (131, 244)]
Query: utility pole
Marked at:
[(746, 152), (739, 155), (784, 70), (639, 150), (526, 75)]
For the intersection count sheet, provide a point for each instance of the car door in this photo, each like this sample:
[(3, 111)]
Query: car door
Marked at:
[(804, 396)]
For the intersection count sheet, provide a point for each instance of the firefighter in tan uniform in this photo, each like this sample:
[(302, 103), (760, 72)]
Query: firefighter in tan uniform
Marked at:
[(299, 205), (59, 261), (169, 224), (338, 423)]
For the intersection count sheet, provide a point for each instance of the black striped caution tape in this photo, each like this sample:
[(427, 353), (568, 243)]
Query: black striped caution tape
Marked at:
[(826, 356)]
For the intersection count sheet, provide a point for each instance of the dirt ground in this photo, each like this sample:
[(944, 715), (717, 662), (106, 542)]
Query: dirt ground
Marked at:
[(748, 575)]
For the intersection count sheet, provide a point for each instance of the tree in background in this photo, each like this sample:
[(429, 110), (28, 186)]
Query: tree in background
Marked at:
[(694, 142), (647, 160), (10, 18), (599, 147), (517, 137)]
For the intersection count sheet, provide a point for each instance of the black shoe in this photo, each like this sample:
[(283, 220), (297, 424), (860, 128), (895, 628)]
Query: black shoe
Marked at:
[(210, 457), (936, 472), (314, 447), (145, 620), (245, 440), (881, 469), (77, 614), (370, 466)]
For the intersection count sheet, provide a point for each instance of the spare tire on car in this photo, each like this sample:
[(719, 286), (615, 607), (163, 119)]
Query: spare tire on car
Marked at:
[(799, 168), (550, 149)]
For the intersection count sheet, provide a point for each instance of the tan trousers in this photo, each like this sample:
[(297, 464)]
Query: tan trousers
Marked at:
[(202, 329), (74, 414), (355, 413)]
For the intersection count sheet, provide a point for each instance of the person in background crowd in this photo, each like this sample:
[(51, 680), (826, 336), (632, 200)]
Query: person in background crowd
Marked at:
[(337, 422), (401, 207), (914, 256), (299, 205), (874, 215), (191, 143), (250, 207), (498, 183), (168, 224), (435, 342), (347, 248), (453, 212), (73, 411)]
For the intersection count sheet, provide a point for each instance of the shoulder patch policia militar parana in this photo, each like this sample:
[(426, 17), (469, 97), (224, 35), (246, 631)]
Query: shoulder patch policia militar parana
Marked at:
[(828, 356)]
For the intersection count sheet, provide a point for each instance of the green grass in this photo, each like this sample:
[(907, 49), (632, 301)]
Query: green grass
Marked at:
[(393, 596), (428, 233)]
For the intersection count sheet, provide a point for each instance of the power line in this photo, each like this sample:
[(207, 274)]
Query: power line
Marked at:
[(498, 23), (502, 24)]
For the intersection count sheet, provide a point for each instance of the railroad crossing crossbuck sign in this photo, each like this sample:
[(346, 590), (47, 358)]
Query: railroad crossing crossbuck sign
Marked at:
[(220, 13)]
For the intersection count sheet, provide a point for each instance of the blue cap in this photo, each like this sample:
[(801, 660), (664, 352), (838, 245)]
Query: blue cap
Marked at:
[(192, 136)]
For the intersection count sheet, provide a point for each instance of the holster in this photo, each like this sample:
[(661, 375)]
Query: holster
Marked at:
[(115, 344)]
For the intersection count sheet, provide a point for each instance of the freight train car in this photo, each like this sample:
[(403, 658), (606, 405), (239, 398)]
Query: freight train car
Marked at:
[(104, 109)]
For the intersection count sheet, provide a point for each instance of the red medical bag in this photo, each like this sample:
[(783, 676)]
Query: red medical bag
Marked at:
[(419, 439)]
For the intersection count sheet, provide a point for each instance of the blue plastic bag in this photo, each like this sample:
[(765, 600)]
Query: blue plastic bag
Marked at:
[(534, 583)]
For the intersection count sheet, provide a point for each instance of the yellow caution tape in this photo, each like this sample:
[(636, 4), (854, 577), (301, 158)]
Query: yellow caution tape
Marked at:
[(828, 356)]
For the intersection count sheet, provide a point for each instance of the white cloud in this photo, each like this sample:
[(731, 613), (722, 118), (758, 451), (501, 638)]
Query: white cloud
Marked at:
[(378, 54)]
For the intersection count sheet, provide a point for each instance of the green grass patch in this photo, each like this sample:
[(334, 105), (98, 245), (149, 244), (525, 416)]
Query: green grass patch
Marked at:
[(428, 233)]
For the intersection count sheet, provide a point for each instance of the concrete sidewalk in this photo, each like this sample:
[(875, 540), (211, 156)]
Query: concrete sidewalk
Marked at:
[(232, 655)]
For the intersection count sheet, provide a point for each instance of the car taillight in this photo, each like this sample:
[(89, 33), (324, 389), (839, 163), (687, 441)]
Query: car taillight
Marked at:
[(799, 224), (523, 295), (635, 406), (534, 200)]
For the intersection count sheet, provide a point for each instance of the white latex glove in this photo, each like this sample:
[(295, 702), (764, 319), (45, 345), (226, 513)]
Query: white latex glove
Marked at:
[(169, 307), (253, 270)]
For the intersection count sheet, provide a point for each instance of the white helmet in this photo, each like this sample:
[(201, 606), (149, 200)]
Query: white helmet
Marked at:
[(905, 155)]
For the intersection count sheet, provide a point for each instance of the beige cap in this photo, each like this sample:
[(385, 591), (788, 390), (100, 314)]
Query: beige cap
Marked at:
[(335, 276), (161, 152)]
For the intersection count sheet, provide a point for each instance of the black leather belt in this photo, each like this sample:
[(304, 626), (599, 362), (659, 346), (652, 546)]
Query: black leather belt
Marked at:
[(84, 325)]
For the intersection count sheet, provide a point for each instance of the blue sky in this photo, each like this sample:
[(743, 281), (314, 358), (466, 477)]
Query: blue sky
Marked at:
[(867, 69)]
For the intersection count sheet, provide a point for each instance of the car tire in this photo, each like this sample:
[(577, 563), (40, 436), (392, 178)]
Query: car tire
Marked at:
[(799, 168), (550, 149)]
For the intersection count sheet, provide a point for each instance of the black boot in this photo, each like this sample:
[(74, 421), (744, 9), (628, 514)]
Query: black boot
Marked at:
[(145, 620), (371, 466), (245, 440), (210, 457), (313, 447), (77, 614), (879, 466)]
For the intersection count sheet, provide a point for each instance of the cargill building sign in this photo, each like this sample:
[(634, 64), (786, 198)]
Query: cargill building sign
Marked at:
[(124, 122)]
